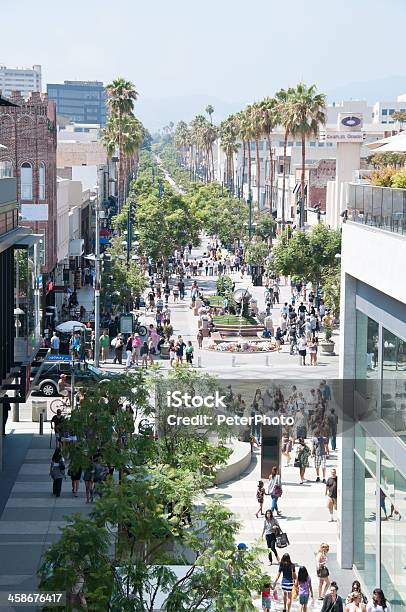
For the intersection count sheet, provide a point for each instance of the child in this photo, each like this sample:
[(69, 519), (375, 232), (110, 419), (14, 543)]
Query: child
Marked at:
[(189, 353), (267, 597), (260, 497)]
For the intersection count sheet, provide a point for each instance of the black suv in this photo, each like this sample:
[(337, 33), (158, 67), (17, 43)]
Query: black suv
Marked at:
[(46, 378)]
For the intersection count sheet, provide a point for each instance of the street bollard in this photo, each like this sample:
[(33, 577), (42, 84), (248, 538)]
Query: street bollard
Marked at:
[(267, 361), (41, 424), (233, 359), (199, 362)]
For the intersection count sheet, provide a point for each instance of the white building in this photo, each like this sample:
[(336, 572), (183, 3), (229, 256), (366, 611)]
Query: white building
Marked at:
[(382, 111), (372, 475), (24, 80)]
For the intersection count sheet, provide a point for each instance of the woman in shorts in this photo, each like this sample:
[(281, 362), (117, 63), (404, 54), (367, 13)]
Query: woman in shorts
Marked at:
[(304, 588)]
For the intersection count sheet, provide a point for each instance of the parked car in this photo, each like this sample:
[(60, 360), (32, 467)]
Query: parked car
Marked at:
[(46, 378)]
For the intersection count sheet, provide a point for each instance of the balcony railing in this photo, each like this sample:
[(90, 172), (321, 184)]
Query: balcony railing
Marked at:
[(381, 207)]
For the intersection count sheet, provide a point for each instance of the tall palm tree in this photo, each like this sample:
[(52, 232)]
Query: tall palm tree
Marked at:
[(131, 133), (256, 120), (269, 120), (210, 111), (309, 112), (121, 95), (286, 118), (249, 132), (230, 145), (182, 140)]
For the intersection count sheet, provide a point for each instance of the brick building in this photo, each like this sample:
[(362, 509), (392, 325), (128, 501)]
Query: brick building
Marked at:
[(28, 133)]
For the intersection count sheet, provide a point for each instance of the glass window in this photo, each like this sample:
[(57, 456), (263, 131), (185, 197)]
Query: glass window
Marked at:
[(42, 181), (394, 382), (26, 181), (312, 143), (367, 367), (384, 111), (364, 524), (398, 603), (6, 169), (391, 111), (290, 143)]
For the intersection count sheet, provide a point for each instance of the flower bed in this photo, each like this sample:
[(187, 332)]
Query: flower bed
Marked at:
[(242, 347)]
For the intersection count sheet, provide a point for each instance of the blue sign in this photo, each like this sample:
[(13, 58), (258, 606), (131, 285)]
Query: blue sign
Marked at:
[(59, 358), (39, 281), (351, 121)]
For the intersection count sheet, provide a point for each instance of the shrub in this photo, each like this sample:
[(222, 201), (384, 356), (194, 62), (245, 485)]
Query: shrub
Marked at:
[(399, 180), (383, 178)]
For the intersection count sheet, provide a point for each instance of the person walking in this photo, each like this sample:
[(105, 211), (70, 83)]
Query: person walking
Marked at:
[(275, 489), (118, 349), (6, 410), (88, 477), (172, 352), (270, 531), (189, 352), (266, 597), (356, 588), (55, 343), (319, 454), (57, 471), (302, 459), (75, 475), (200, 338), (333, 423), (355, 604), (331, 492), (104, 345), (260, 497), (322, 570), (378, 603), (288, 572), (332, 602), (180, 347), (304, 588), (136, 348), (129, 352), (144, 355), (302, 349)]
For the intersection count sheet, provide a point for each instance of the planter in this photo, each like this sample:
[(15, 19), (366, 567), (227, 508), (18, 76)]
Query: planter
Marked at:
[(165, 351), (327, 347)]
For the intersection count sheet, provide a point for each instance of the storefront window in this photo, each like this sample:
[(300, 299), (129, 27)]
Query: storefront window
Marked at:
[(387, 526), (365, 524), (367, 367), (394, 382), (398, 603)]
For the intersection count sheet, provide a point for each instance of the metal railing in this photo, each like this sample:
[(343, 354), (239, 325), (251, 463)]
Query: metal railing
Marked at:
[(382, 207)]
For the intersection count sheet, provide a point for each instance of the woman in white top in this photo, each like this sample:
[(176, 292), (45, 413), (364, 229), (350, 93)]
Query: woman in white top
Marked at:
[(355, 604), (322, 569), (378, 603)]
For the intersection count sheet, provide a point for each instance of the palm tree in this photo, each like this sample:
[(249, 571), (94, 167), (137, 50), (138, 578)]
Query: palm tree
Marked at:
[(131, 133), (247, 126), (121, 95), (256, 120), (210, 111), (269, 121), (286, 118), (308, 109), (229, 143), (182, 140)]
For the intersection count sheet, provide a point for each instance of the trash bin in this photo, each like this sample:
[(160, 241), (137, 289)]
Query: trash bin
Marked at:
[(38, 406)]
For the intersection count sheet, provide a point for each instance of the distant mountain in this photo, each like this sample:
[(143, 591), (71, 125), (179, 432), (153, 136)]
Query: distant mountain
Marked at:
[(155, 113), (385, 88)]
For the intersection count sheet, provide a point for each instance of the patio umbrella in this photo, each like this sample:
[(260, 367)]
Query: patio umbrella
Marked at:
[(70, 326)]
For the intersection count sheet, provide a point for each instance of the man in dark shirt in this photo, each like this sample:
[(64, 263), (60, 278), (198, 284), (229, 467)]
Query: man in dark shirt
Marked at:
[(6, 410), (331, 492), (56, 424)]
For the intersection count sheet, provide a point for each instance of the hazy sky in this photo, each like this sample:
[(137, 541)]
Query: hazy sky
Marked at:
[(236, 50)]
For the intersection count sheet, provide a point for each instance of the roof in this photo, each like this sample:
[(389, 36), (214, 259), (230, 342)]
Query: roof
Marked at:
[(391, 144), (6, 102)]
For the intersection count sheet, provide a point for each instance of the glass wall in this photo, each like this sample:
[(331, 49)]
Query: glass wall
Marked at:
[(367, 366), (394, 382), (365, 524)]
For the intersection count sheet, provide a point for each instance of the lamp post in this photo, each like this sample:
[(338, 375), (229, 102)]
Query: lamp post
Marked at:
[(249, 202), (97, 283)]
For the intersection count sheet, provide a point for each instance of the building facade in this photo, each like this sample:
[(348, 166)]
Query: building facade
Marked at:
[(28, 133), (372, 506), (24, 80), (81, 101)]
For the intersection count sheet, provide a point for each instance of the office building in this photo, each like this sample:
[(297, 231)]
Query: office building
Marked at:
[(24, 80), (80, 101), (372, 476)]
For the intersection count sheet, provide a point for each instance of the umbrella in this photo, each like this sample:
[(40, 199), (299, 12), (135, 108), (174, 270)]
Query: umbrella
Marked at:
[(70, 326), (391, 143)]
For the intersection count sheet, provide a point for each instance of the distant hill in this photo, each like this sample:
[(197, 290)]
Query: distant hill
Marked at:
[(155, 113), (385, 88)]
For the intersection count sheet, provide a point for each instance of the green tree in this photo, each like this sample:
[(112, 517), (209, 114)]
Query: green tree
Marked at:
[(307, 255), (210, 111), (265, 228), (256, 253)]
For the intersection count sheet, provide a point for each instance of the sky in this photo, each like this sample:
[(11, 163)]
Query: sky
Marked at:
[(229, 51)]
